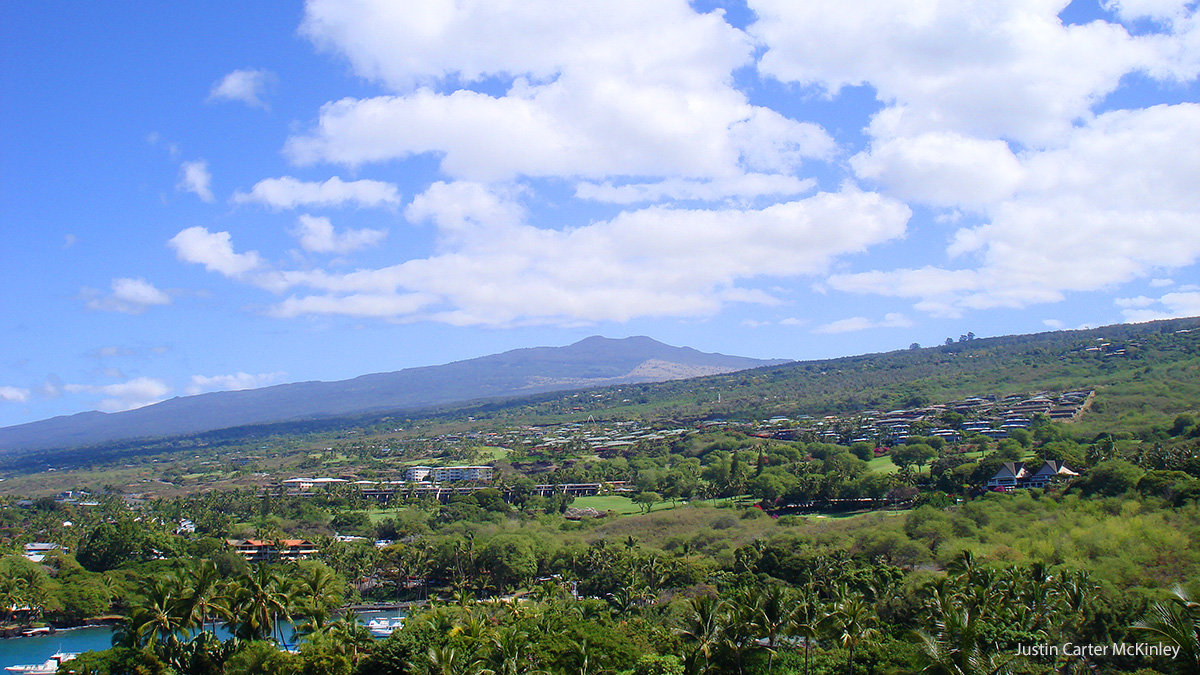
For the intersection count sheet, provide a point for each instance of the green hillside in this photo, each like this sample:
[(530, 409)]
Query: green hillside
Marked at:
[(1143, 374)]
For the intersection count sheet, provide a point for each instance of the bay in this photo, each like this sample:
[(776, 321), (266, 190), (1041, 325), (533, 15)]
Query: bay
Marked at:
[(25, 650)]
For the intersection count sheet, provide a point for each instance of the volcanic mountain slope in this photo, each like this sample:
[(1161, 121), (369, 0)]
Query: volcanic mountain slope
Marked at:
[(595, 361)]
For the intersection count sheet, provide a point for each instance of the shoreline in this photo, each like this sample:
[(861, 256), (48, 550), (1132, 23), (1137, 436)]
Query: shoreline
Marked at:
[(13, 632)]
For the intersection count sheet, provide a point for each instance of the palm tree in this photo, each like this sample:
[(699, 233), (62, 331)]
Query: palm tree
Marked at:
[(741, 624), (703, 627), (956, 644), (318, 592), (850, 623), (12, 595), (507, 655), (805, 620), (1176, 623), (445, 660), (773, 616), (584, 653), (259, 600), (157, 619), (351, 635), (204, 599)]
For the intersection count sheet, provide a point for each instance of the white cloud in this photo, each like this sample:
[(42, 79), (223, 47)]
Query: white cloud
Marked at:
[(748, 185), (316, 234), (891, 320), (129, 296), (495, 269), (247, 86), (943, 169), (288, 193), (194, 177), (135, 393), (14, 394), (1114, 202), (1161, 283), (215, 251), (237, 381), (975, 67), (1169, 306), (624, 88)]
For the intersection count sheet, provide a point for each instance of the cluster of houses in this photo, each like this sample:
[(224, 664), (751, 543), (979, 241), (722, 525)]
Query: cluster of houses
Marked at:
[(991, 416), (1014, 475)]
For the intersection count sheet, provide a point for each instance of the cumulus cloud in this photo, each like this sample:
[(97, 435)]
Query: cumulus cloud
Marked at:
[(201, 384), (316, 234), (135, 393), (1114, 202), (14, 394), (129, 296), (978, 68), (678, 189), (288, 193), (1169, 306), (215, 251), (247, 86), (626, 88), (943, 169), (857, 323), (496, 269), (194, 177)]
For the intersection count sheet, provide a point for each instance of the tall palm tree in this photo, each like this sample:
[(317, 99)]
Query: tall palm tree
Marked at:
[(157, 619), (351, 635), (741, 624), (318, 591), (805, 620), (773, 617), (703, 627), (851, 622), (203, 599), (260, 600)]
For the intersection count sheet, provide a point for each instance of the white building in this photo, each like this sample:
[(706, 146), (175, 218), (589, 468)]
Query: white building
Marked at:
[(448, 474)]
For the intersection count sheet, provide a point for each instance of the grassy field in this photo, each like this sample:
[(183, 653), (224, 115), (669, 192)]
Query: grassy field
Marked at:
[(883, 463), (615, 503), (492, 453)]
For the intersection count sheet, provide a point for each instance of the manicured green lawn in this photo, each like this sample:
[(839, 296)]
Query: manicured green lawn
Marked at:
[(883, 463), (492, 453), (617, 503)]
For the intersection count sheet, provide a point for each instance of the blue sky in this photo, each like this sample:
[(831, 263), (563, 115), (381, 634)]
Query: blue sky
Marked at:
[(229, 195)]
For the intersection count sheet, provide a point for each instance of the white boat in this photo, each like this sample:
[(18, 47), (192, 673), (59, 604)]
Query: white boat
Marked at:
[(385, 626), (50, 667)]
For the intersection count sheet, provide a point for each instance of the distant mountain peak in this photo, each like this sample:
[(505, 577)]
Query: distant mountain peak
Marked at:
[(590, 362)]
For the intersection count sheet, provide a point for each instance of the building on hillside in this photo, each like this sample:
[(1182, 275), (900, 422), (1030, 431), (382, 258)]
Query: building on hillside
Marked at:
[(261, 550), (1050, 472), (37, 550), (448, 474), (1009, 476), (1012, 475)]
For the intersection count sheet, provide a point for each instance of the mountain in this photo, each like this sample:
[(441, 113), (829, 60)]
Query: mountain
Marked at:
[(595, 361)]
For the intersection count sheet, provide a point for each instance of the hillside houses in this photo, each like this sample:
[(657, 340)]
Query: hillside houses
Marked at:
[(990, 416), (1014, 475)]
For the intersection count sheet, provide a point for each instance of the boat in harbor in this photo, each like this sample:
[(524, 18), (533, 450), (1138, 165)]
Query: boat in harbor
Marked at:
[(50, 667), (384, 626)]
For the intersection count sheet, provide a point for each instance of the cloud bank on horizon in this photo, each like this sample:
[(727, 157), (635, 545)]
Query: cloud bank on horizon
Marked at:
[(563, 164)]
